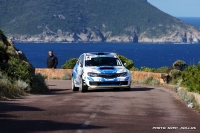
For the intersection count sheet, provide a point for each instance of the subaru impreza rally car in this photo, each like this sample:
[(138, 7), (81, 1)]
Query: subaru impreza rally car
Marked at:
[(100, 70)]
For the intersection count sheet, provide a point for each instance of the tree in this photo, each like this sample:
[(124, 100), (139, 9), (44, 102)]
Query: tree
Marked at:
[(129, 63), (179, 64), (70, 63)]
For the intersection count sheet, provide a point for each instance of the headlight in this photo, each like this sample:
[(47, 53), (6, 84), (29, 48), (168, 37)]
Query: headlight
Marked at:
[(123, 74), (92, 74)]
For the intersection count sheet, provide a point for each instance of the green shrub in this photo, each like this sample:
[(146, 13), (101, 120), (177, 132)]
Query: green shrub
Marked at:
[(134, 69), (154, 82), (147, 69), (175, 74), (66, 76), (163, 70), (22, 85), (5, 82), (175, 88), (179, 82), (191, 78), (44, 76), (149, 81), (19, 70), (129, 63), (4, 89), (38, 85), (189, 98), (70, 63), (53, 77), (182, 93), (2, 52), (179, 64), (141, 81), (4, 38), (7, 89), (10, 51)]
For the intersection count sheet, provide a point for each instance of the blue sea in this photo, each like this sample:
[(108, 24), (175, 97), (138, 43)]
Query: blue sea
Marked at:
[(150, 55), (191, 20)]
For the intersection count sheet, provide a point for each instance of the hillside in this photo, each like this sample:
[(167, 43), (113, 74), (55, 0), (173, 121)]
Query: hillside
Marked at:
[(17, 75), (93, 21)]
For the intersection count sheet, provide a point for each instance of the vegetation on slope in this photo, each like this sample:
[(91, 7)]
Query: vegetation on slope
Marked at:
[(16, 74), (118, 16)]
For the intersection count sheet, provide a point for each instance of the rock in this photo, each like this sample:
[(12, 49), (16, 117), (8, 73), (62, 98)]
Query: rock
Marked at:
[(100, 34), (190, 105), (76, 38), (135, 38), (184, 38), (8, 50)]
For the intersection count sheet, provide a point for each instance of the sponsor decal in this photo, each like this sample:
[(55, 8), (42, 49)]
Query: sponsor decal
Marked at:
[(90, 79)]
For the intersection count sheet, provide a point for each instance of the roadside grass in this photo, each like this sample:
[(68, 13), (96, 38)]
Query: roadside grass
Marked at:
[(12, 88), (182, 93), (148, 81), (8, 90), (67, 76)]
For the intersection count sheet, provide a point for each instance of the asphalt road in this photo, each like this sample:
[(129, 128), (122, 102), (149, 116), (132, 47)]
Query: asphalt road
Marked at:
[(142, 110)]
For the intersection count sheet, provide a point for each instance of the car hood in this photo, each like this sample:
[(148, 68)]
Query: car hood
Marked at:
[(106, 69)]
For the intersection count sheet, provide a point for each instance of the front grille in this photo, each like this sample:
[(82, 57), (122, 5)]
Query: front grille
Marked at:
[(108, 75), (108, 83)]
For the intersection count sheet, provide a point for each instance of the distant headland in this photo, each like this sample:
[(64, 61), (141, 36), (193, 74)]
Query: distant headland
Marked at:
[(125, 21)]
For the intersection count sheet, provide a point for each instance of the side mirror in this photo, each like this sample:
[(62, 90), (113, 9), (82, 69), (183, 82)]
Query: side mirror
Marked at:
[(124, 64)]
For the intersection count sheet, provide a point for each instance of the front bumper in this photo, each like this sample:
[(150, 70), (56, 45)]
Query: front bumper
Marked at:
[(99, 82)]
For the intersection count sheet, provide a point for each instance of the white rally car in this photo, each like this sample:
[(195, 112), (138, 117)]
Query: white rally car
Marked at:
[(100, 70)]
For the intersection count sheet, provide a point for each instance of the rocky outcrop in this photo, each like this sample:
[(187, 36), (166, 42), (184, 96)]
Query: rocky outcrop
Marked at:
[(8, 50), (186, 34)]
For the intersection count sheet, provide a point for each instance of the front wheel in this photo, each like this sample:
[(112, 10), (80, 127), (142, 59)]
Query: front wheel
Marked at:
[(73, 85), (83, 87)]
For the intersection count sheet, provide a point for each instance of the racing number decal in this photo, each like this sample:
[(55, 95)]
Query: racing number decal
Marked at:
[(88, 58)]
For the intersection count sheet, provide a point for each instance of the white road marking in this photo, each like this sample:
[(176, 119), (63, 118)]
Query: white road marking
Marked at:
[(93, 116), (79, 131), (86, 123), (98, 109)]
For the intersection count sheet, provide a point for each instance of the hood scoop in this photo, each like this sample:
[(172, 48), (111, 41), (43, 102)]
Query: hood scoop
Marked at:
[(106, 68)]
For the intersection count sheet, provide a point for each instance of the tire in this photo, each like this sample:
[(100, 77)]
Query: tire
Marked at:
[(127, 89), (83, 87), (73, 86)]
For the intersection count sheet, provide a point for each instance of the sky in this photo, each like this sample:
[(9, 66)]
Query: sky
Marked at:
[(178, 8)]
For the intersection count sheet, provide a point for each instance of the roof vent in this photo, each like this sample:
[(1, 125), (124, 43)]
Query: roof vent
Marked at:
[(100, 53)]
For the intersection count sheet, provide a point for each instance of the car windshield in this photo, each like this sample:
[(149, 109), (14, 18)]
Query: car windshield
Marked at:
[(103, 61)]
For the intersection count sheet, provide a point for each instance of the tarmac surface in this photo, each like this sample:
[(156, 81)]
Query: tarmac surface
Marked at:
[(141, 110)]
